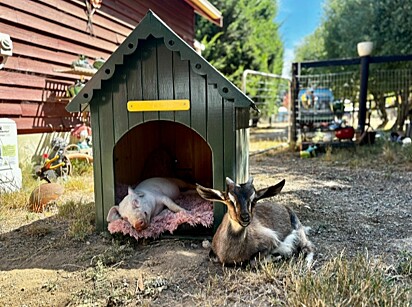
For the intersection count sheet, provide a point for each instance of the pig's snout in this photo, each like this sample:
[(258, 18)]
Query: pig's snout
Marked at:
[(140, 225)]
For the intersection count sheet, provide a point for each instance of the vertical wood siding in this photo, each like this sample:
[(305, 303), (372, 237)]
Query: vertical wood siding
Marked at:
[(207, 141), (48, 35)]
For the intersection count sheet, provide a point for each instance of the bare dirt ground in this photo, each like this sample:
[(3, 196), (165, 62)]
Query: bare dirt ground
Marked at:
[(349, 209)]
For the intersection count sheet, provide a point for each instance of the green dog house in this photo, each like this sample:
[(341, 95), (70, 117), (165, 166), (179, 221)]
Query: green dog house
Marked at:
[(156, 92)]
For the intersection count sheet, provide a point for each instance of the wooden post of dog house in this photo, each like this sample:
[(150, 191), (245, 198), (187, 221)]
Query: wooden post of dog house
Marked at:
[(155, 91)]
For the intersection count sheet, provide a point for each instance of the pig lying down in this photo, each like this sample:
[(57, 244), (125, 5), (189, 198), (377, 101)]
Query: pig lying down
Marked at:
[(147, 200)]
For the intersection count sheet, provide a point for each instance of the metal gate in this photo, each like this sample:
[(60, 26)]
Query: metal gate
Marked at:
[(270, 92)]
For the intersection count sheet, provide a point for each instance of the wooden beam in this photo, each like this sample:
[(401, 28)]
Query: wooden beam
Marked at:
[(106, 15), (58, 17), (13, 78), (7, 109), (34, 52), (32, 66), (44, 110), (181, 23), (79, 10), (39, 125), (37, 24), (34, 109), (29, 94), (32, 38)]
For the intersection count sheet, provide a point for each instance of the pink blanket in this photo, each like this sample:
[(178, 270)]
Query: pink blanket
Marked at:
[(199, 212)]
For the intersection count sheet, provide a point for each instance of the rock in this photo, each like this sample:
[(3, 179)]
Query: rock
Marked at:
[(206, 244)]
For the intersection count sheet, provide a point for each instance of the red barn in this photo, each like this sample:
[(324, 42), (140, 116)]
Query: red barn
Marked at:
[(48, 35)]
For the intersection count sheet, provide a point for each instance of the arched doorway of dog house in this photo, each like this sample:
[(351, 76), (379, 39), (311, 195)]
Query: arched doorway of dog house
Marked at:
[(161, 149)]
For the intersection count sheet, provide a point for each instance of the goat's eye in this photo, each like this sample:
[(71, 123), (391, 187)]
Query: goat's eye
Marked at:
[(252, 197), (232, 198), (233, 201)]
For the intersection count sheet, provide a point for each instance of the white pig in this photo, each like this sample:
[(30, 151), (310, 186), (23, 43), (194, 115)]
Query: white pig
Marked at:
[(147, 200)]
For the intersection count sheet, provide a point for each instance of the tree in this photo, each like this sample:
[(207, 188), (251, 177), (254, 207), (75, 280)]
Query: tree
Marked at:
[(312, 47), (249, 38), (345, 23)]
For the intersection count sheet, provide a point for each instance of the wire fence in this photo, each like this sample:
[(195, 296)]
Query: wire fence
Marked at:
[(270, 94), (321, 100)]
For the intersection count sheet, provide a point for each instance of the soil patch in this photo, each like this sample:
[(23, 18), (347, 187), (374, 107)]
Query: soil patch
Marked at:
[(348, 209)]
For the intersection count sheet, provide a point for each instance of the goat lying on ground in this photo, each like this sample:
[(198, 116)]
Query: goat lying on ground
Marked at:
[(251, 231)]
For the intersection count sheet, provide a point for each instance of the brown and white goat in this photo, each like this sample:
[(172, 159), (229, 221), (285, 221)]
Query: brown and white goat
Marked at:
[(251, 230)]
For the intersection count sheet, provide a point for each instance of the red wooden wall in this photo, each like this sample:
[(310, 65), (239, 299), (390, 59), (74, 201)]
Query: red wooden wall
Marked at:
[(48, 35)]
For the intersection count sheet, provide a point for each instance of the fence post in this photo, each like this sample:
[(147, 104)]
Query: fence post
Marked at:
[(364, 75), (292, 106), (364, 51)]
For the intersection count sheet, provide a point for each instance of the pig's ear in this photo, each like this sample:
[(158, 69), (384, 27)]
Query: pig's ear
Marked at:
[(113, 214), (130, 191)]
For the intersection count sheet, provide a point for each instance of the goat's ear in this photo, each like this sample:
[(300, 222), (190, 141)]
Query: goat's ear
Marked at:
[(230, 184), (270, 191), (210, 194)]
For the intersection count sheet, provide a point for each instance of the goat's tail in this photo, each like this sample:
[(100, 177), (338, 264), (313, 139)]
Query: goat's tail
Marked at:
[(305, 245), (294, 220)]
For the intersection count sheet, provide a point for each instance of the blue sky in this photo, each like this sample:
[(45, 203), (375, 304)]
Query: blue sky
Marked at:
[(297, 19)]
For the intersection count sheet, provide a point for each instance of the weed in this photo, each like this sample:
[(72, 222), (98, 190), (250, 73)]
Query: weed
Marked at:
[(404, 266), (81, 167), (50, 286), (114, 254), (81, 217), (328, 153), (108, 291), (37, 230), (80, 184), (18, 199), (389, 153)]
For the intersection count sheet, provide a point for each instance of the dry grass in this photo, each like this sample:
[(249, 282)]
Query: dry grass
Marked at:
[(382, 152), (359, 281), (263, 145), (71, 201), (81, 217)]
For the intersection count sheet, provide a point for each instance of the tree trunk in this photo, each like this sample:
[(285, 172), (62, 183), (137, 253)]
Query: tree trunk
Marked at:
[(402, 110), (381, 106)]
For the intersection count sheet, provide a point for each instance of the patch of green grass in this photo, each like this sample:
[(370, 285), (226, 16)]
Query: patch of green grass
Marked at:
[(81, 217), (81, 167)]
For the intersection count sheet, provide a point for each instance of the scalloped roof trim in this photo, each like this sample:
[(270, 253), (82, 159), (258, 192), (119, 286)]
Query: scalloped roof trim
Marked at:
[(151, 24)]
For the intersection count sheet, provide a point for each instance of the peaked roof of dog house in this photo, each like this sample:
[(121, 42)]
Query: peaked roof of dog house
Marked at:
[(151, 24)]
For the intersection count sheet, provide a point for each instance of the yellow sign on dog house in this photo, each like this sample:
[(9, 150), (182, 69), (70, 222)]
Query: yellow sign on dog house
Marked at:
[(158, 105)]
